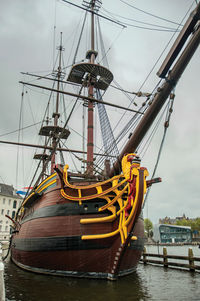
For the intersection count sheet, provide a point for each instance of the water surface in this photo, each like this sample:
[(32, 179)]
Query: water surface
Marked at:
[(147, 283)]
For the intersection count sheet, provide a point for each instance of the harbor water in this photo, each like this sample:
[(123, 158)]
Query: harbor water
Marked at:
[(174, 250), (147, 283)]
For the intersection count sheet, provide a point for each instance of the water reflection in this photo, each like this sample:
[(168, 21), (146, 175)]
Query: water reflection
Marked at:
[(148, 283), (26, 286)]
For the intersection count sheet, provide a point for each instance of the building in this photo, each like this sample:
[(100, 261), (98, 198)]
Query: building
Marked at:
[(173, 221), (9, 204), (164, 233)]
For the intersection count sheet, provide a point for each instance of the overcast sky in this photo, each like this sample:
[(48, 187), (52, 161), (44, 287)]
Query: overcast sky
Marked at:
[(29, 32)]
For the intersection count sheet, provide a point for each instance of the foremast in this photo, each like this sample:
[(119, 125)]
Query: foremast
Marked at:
[(53, 133), (56, 114)]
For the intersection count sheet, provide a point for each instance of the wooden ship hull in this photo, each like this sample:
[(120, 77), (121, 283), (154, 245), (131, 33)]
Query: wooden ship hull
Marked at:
[(78, 225), (94, 230)]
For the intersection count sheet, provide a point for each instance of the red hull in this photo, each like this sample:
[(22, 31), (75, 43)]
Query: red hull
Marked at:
[(53, 245), (51, 238), (95, 263)]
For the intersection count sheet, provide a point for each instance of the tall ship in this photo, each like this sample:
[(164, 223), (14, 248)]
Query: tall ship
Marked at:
[(89, 223)]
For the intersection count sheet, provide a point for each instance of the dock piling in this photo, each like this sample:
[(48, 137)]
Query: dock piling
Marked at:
[(165, 259), (191, 260), (144, 255)]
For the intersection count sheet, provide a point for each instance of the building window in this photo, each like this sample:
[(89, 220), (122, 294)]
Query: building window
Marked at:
[(8, 212), (0, 227), (2, 211), (4, 201), (9, 202), (15, 204), (13, 214)]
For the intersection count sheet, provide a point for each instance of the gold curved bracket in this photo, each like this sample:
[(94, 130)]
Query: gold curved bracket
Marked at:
[(127, 190)]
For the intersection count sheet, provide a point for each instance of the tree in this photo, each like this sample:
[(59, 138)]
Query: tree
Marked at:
[(148, 226), (194, 224)]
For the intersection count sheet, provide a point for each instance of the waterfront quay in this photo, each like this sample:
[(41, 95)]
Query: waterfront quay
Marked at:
[(149, 282)]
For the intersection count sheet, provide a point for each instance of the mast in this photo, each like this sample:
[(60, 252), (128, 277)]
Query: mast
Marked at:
[(56, 114), (90, 127), (53, 132), (93, 76), (192, 26)]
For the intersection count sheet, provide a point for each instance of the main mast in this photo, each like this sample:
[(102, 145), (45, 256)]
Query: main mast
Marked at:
[(90, 129), (93, 76)]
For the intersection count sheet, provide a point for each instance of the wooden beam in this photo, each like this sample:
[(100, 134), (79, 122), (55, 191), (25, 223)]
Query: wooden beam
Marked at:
[(82, 97), (50, 148)]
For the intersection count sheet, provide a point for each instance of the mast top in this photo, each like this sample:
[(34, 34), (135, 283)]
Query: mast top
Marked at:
[(92, 4)]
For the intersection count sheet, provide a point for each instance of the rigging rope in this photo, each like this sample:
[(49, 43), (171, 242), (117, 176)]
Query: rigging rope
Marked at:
[(141, 22), (109, 141), (43, 169), (152, 134), (166, 125), (124, 132), (95, 13), (138, 94), (73, 41), (130, 5), (45, 165), (54, 32), (135, 119), (79, 41), (104, 53), (19, 132), (21, 129), (155, 64)]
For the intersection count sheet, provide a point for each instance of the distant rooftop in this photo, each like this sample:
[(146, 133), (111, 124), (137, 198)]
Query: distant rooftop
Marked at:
[(8, 190), (169, 220)]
